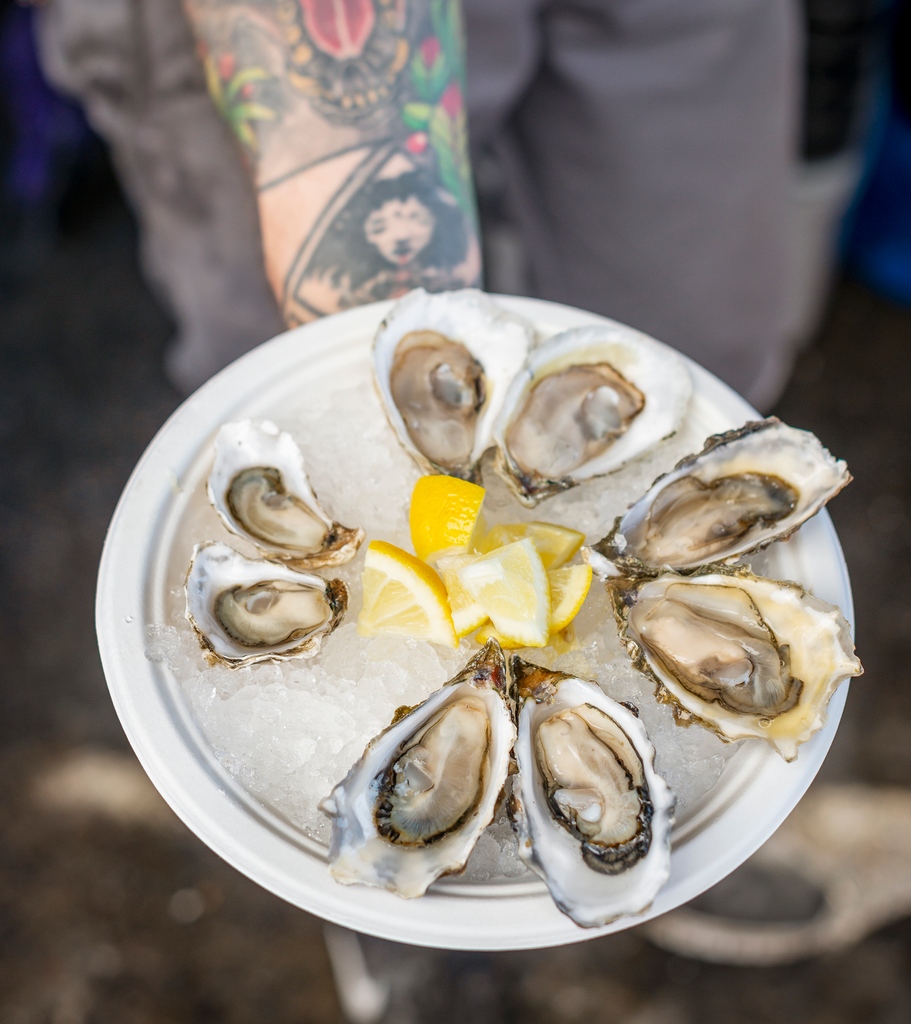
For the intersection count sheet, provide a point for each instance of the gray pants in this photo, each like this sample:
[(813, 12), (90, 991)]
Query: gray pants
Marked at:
[(647, 146)]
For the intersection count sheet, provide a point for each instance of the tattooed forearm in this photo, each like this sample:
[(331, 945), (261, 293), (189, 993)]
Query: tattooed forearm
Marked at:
[(351, 116)]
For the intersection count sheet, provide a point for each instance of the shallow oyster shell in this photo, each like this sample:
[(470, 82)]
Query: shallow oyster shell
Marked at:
[(810, 639), (767, 453), (489, 337), (592, 886), (218, 573), (613, 392), (368, 846), (273, 466)]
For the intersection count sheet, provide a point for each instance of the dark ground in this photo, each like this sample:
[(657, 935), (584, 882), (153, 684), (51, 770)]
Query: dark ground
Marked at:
[(111, 911)]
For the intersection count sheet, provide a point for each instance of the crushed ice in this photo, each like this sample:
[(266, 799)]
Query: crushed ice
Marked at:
[(289, 732)]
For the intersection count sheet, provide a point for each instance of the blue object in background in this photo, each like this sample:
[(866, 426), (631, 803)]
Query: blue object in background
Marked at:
[(46, 129), (878, 240)]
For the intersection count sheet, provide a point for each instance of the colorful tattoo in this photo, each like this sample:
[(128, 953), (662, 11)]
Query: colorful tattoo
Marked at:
[(353, 116), (438, 117), (232, 94), (345, 54)]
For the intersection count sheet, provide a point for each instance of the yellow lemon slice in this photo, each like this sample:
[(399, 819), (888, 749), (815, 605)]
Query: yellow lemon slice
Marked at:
[(511, 585), (444, 515), (568, 589), (488, 632), (467, 614), (556, 544), (404, 596)]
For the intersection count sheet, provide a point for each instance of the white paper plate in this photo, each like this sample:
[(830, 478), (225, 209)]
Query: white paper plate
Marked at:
[(755, 793)]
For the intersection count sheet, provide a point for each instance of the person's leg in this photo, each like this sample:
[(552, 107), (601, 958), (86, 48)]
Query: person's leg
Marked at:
[(651, 161), (132, 64)]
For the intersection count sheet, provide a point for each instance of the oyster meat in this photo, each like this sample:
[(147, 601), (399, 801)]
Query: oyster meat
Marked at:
[(245, 611), (259, 487), (588, 401), (744, 655), (442, 365), (592, 816), (744, 490), (414, 805)]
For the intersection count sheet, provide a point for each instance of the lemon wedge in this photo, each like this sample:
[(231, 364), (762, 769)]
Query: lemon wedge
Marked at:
[(511, 585), (488, 632), (445, 513), (404, 596), (467, 614), (556, 544), (568, 589)]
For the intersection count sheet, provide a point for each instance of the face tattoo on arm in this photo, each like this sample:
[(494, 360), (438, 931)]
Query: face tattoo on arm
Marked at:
[(352, 121)]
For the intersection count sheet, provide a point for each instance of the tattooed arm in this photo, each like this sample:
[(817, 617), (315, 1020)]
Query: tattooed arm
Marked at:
[(350, 114)]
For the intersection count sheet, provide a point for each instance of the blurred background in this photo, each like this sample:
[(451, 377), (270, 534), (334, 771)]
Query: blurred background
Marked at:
[(110, 910)]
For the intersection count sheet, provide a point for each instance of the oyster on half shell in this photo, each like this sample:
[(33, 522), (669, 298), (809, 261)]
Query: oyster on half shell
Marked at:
[(259, 487), (744, 655), (592, 815), (425, 788), (744, 490), (587, 401), (245, 611), (442, 365)]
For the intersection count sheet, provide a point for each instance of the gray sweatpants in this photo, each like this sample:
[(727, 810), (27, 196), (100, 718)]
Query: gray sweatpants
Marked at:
[(647, 145)]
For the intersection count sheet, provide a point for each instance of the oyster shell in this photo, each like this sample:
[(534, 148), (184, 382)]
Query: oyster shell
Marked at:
[(588, 401), (743, 655), (259, 487), (592, 816), (744, 490), (442, 365), (414, 805), (245, 611)]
